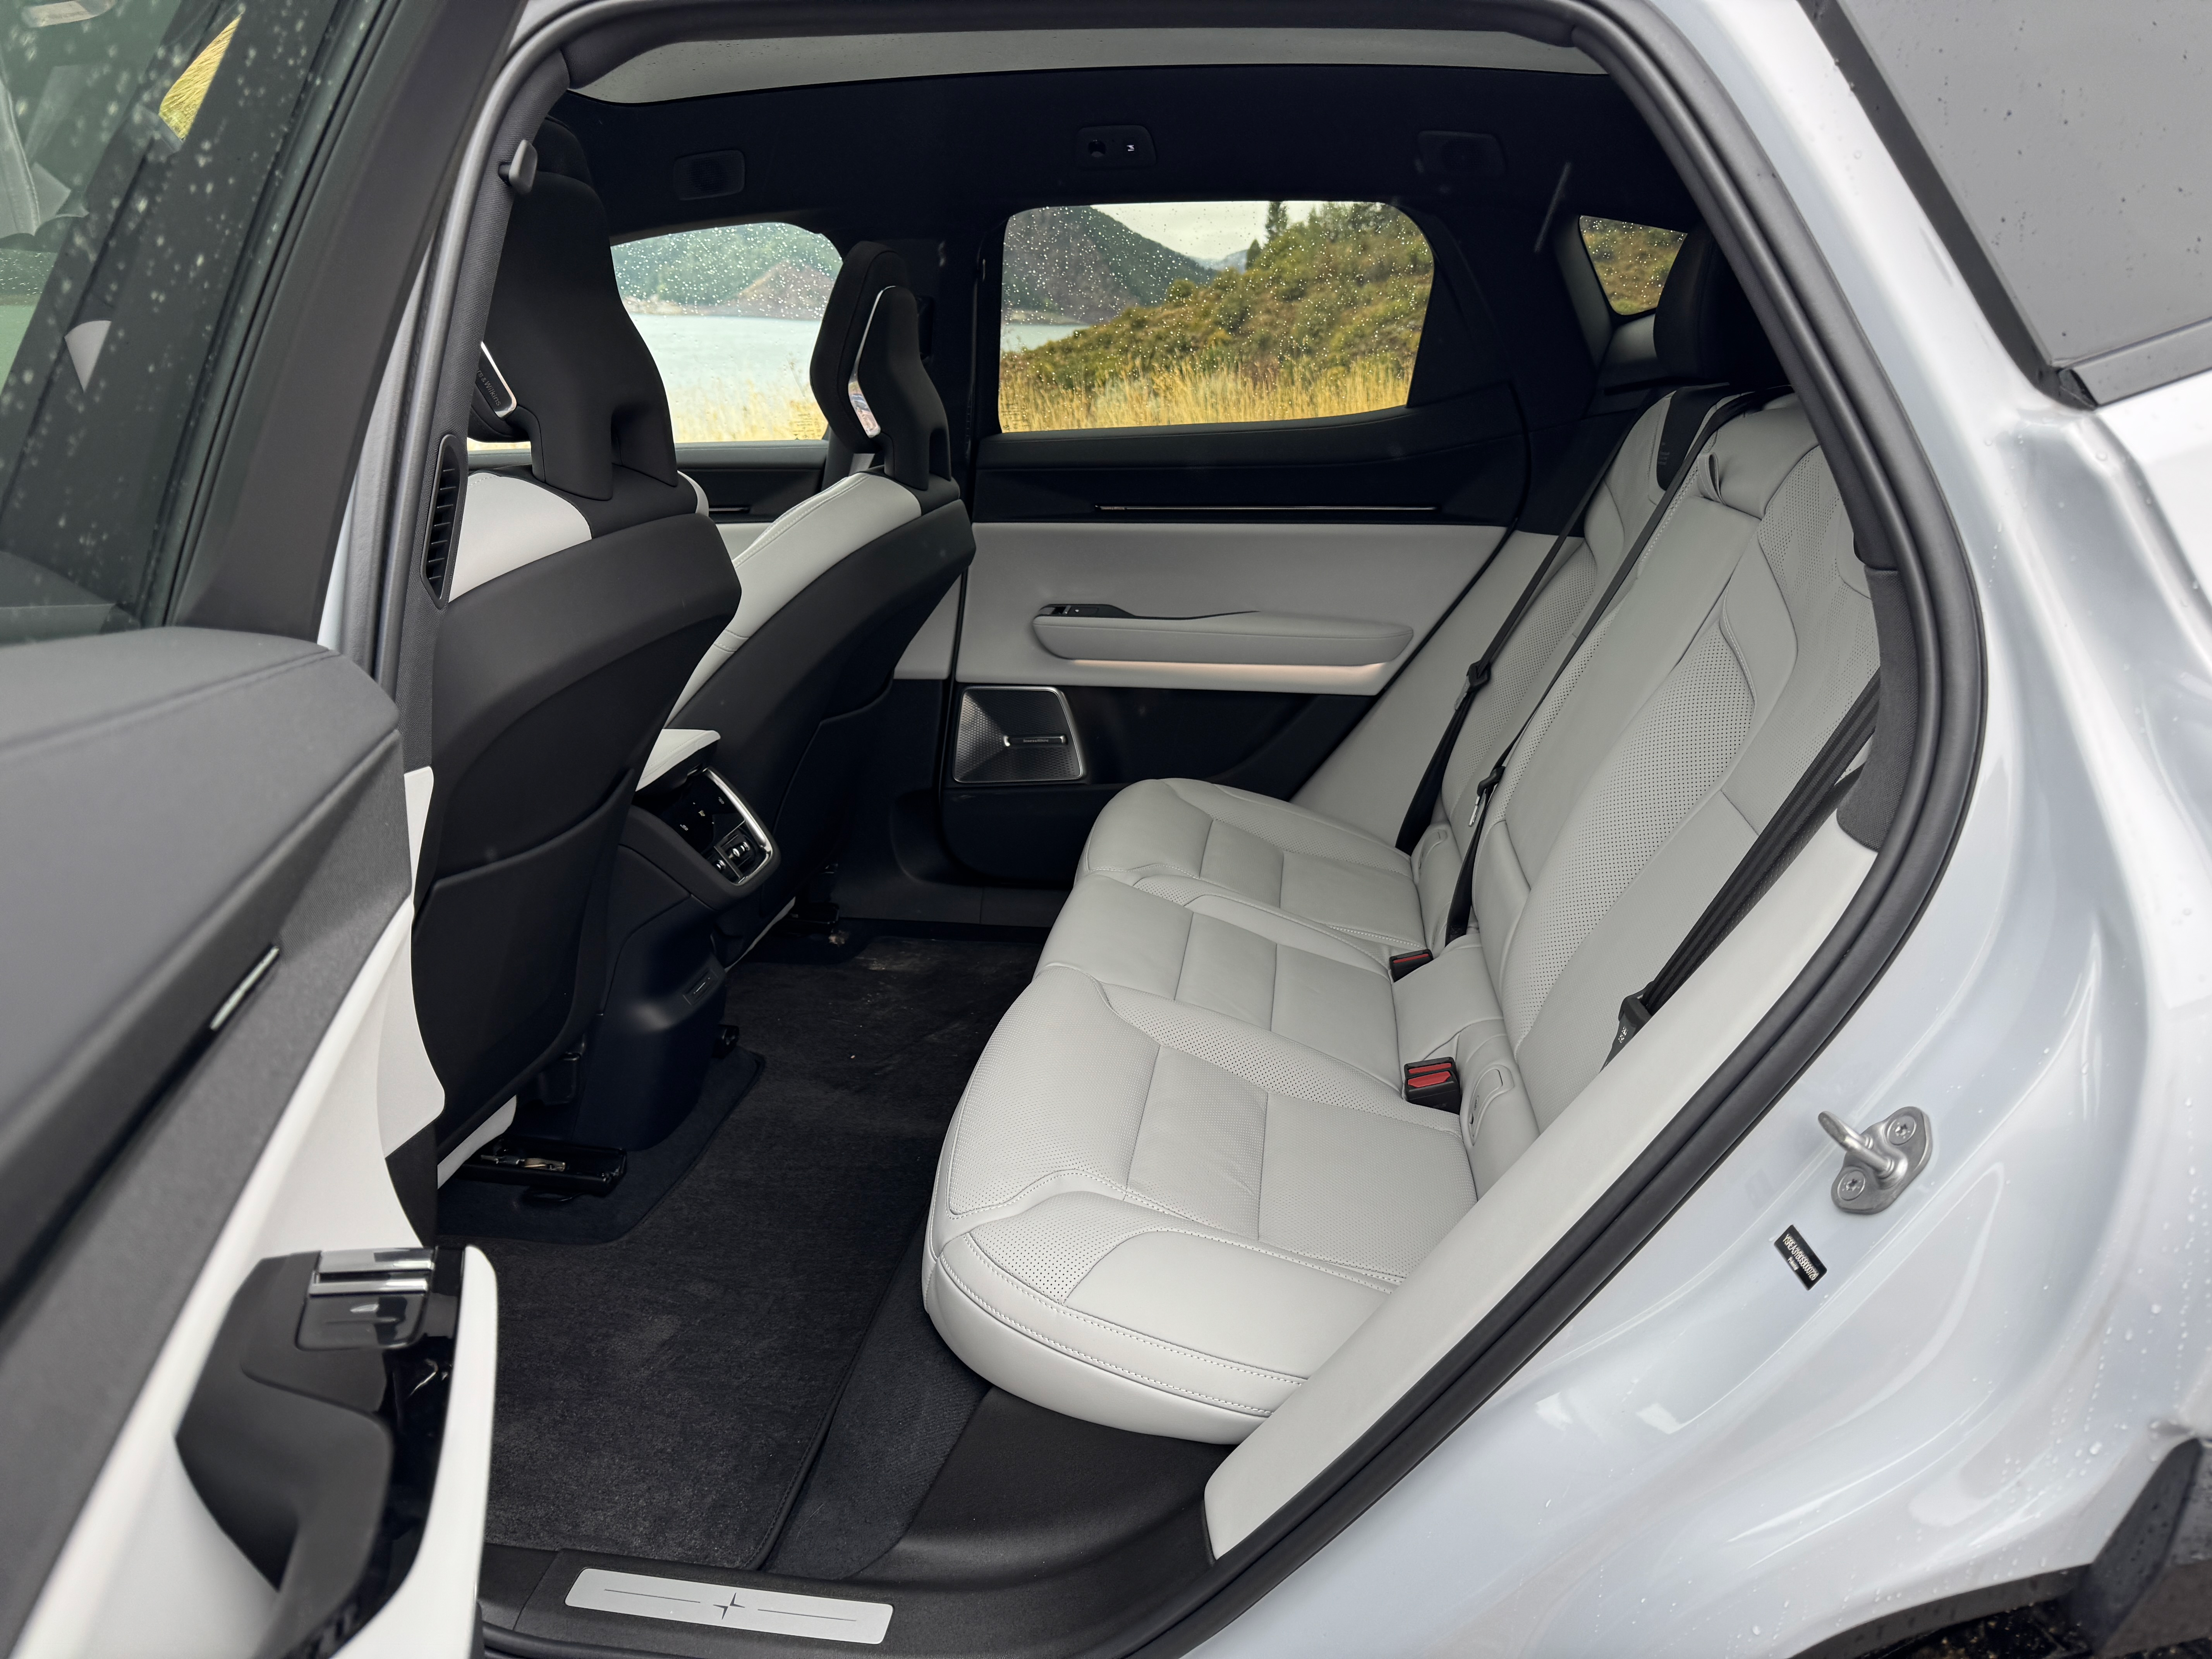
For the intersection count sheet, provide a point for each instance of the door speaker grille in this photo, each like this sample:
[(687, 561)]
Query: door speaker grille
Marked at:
[(1016, 734)]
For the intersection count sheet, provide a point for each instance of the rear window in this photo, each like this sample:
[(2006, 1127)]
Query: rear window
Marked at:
[(1193, 313), (730, 315), (1632, 261)]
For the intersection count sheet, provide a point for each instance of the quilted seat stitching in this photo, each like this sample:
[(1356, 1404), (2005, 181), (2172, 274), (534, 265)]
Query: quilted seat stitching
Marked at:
[(1258, 1372)]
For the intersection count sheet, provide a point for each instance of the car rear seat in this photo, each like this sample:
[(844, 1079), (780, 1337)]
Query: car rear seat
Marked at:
[(1184, 1172)]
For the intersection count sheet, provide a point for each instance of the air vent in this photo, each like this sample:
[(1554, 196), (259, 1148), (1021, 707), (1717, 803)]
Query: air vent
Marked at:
[(445, 513)]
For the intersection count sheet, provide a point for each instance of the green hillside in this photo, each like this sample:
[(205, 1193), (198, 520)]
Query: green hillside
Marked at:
[(702, 268), (1076, 264), (1335, 300)]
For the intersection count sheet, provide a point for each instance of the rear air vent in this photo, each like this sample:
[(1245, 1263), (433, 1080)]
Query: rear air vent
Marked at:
[(445, 513)]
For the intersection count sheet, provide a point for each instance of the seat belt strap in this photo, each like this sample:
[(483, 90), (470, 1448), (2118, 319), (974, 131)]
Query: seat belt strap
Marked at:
[(1811, 799), (1717, 416), (1463, 898), (1422, 808)]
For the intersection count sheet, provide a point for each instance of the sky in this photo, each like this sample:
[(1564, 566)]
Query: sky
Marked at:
[(1204, 230)]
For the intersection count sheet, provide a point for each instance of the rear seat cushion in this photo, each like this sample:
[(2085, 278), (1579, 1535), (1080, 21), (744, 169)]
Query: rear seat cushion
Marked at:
[(1159, 1217)]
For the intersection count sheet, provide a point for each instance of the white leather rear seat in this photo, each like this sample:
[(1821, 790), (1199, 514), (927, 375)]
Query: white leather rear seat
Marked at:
[(1183, 1172)]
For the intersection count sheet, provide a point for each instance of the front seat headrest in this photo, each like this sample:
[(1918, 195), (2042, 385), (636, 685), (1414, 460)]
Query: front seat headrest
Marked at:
[(587, 394), (895, 388), (867, 371), (1706, 329), (559, 150), (869, 268)]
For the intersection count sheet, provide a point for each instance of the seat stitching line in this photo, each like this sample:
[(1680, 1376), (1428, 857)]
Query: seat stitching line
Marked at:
[(1335, 1269), (952, 1273)]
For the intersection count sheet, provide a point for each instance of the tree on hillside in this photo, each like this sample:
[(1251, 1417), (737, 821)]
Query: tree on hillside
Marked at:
[(1279, 220), (1348, 285)]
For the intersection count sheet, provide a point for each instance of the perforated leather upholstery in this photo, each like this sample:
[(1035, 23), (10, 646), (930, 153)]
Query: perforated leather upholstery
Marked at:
[(1184, 1170)]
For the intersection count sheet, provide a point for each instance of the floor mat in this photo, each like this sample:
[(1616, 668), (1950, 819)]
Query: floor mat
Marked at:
[(491, 1209), (662, 1396)]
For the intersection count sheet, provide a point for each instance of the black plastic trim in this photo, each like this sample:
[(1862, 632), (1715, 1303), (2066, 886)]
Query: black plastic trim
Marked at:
[(1883, 1635), (1462, 458)]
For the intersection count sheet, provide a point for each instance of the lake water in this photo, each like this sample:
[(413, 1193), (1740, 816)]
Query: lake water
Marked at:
[(1020, 336), (768, 353), (771, 353)]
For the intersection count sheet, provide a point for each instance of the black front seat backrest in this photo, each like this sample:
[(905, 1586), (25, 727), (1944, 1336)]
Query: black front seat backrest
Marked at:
[(838, 587), (579, 593)]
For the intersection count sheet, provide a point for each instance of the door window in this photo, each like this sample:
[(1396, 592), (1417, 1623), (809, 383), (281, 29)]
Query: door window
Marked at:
[(730, 315), (1188, 314), (1632, 262), (140, 141)]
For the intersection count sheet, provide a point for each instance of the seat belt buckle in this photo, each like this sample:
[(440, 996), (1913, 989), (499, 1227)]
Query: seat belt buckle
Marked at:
[(1633, 1018), (1433, 1083), (1407, 961)]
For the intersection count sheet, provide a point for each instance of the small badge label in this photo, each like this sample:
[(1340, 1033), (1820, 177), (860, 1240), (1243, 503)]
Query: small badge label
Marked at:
[(1798, 1255)]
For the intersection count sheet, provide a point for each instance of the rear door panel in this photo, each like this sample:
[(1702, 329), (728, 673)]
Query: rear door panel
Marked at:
[(1405, 574), (1249, 724), (173, 803)]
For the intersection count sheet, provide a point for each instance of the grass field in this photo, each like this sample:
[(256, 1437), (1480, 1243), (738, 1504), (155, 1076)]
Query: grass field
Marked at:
[(715, 412), (1632, 261), (1180, 395)]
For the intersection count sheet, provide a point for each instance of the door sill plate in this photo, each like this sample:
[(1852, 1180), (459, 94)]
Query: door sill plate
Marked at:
[(730, 1607)]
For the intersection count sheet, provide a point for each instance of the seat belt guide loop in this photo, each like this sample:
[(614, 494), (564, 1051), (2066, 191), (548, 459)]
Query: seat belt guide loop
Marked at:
[(1635, 1015)]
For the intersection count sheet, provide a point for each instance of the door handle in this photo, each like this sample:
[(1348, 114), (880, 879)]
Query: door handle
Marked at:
[(312, 1434)]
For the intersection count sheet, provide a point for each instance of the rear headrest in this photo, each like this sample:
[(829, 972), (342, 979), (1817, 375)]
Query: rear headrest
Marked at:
[(871, 345), (586, 393), (1706, 330)]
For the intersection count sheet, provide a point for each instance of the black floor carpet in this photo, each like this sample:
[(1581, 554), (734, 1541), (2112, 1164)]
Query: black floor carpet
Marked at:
[(663, 1396), (492, 1209)]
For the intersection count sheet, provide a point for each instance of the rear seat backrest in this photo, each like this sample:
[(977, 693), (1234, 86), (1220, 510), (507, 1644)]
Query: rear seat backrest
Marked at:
[(1590, 874)]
